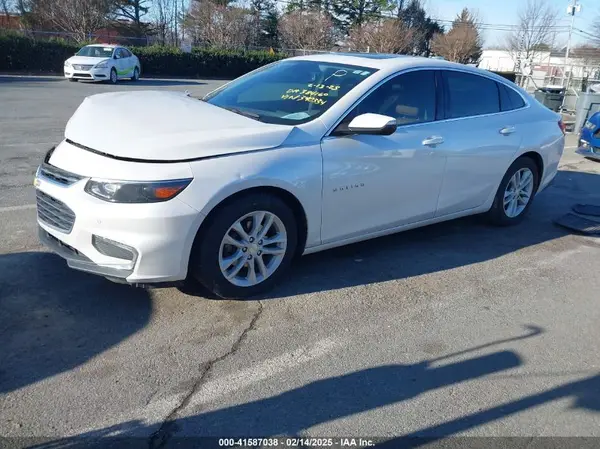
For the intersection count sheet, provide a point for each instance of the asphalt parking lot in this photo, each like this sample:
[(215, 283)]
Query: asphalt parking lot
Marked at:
[(454, 329)]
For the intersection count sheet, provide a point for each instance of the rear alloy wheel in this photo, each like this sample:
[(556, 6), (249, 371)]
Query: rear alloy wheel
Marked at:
[(515, 193), (113, 76), (136, 74), (246, 249)]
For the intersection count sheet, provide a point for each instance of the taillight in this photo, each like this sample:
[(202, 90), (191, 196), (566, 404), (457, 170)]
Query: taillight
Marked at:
[(562, 126)]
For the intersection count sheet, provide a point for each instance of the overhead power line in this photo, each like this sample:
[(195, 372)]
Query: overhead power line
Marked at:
[(483, 26)]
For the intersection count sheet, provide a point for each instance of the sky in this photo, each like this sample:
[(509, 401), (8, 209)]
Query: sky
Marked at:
[(505, 12)]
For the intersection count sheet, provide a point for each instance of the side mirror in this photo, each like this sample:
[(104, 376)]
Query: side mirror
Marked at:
[(115, 57), (377, 124)]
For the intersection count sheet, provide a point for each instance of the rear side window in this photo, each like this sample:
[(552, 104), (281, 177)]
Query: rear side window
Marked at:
[(469, 95), (509, 99)]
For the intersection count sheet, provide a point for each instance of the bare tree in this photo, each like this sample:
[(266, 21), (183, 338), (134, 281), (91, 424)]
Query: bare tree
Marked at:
[(81, 18), (534, 31), (164, 17), (462, 43), (596, 30), (6, 6), (307, 30), (217, 25), (132, 13), (382, 36)]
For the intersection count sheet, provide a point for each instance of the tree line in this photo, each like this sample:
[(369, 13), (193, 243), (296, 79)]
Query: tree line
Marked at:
[(385, 26)]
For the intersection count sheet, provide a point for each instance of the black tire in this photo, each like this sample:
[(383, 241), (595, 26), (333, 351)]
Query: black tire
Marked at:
[(73, 80), (136, 74), (497, 215), (204, 260), (113, 80)]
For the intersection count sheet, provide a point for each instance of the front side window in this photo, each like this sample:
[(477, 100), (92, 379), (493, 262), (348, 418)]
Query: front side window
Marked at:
[(289, 92), (469, 95), (94, 51), (409, 98)]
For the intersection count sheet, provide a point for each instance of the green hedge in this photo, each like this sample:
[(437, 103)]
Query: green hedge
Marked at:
[(18, 53)]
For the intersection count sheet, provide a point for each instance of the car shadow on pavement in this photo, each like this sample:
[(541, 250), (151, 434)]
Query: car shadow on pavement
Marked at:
[(295, 411), (53, 319), (28, 79), (439, 247)]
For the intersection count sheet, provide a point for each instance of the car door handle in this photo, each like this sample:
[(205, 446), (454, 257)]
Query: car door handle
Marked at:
[(507, 130), (433, 140)]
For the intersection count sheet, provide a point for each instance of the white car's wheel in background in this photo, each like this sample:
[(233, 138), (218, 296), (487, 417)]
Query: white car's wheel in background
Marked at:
[(136, 74), (113, 76), (247, 246), (515, 193)]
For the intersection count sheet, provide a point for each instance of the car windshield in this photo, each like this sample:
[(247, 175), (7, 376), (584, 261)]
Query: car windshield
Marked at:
[(96, 52), (289, 92)]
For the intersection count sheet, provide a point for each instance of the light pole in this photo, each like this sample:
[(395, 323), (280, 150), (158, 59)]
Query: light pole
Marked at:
[(571, 10)]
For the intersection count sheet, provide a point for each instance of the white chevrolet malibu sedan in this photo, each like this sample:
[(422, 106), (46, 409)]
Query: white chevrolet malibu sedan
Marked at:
[(296, 157), (100, 62)]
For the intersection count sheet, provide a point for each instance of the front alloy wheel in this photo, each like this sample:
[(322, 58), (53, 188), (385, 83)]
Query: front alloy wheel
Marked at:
[(252, 249), (247, 246)]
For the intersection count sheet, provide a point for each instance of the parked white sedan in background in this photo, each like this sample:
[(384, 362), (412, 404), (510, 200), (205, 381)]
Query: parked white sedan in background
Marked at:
[(101, 62), (296, 157)]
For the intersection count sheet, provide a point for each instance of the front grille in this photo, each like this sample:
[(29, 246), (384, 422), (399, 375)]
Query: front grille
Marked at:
[(82, 75), (58, 175), (82, 67), (54, 213)]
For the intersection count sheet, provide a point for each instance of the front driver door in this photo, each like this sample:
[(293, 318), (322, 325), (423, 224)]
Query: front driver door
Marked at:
[(376, 182)]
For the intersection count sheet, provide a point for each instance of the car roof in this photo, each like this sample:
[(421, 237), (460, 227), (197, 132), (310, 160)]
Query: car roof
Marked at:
[(103, 45), (392, 63)]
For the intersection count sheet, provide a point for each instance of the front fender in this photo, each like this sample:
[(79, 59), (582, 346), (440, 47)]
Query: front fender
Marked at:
[(296, 170)]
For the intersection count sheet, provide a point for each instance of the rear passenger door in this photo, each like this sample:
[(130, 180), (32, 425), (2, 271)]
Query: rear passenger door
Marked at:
[(129, 63), (121, 63), (480, 139)]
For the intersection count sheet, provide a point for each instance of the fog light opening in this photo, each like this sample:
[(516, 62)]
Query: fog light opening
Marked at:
[(114, 249)]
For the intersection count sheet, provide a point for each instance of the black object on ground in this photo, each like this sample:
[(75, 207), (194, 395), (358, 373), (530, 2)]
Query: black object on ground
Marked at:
[(587, 209), (579, 224)]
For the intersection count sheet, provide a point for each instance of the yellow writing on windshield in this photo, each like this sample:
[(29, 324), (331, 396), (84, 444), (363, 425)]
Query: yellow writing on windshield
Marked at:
[(307, 98), (323, 86), (312, 93)]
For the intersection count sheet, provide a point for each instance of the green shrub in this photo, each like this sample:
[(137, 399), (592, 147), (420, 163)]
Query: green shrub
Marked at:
[(19, 53)]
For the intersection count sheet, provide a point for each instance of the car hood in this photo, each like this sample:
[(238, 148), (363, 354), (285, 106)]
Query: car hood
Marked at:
[(166, 126), (86, 60)]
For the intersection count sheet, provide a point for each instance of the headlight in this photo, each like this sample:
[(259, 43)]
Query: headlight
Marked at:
[(67, 64), (590, 125), (136, 192), (102, 65)]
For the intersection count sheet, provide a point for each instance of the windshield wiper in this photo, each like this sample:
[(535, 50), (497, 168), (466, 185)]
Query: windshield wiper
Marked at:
[(251, 115)]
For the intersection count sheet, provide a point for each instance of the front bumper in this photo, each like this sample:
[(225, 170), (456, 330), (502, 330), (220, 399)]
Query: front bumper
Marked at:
[(590, 152), (160, 235), (91, 75)]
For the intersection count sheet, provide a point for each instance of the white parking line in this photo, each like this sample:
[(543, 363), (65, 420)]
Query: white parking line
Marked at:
[(28, 144), (16, 208), (222, 386)]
